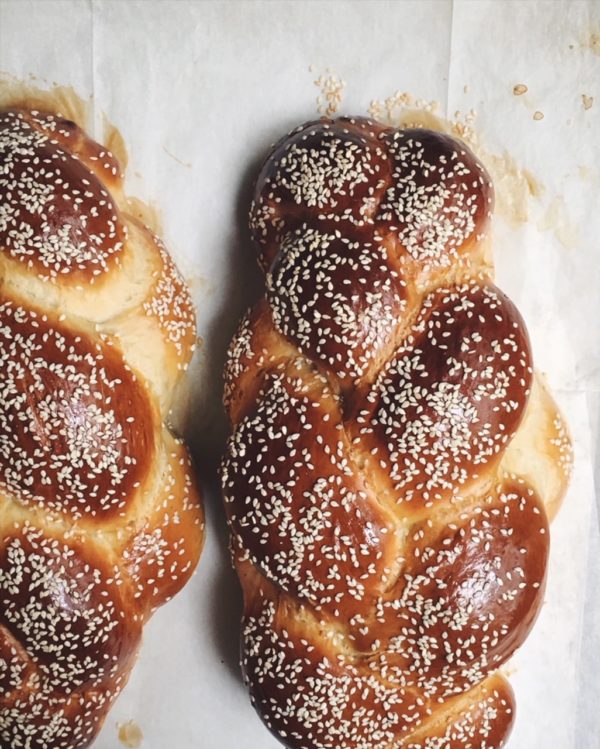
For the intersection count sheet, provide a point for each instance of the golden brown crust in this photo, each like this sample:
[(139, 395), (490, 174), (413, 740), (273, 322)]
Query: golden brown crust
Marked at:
[(541, 451), (482, 717), (161, 554), (58, 217), (391, 552), (100, 517), (70, 442), (465, 394), (424, 189)]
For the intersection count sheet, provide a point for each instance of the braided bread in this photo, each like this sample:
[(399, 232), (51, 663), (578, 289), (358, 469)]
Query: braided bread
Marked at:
[(100, 518), (394, 457)]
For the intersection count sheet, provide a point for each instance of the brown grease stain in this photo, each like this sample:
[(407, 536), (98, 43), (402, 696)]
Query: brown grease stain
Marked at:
[(587, 101), (61, 100), (130, 734), (591, 41), (115, 142), (199, 283), (584, 172), (557, 220)]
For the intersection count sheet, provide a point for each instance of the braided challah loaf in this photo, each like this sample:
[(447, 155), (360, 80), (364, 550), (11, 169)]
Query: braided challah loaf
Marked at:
[(100, 518), (392, 453)]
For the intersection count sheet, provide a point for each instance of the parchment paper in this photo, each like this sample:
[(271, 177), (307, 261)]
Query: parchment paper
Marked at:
[(198, 91)]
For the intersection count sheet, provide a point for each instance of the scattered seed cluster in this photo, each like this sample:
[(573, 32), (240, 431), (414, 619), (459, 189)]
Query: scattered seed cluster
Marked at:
[(389, 565), (100, 521)]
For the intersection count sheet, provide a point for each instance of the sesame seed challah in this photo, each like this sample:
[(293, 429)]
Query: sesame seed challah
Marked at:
[(393, 457), (100, 518)]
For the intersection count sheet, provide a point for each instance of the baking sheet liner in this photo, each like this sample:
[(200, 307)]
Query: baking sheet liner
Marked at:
[(198, 91)]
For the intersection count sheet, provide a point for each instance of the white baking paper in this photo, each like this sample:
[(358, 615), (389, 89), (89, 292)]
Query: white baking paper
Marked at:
[(199, 90)]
